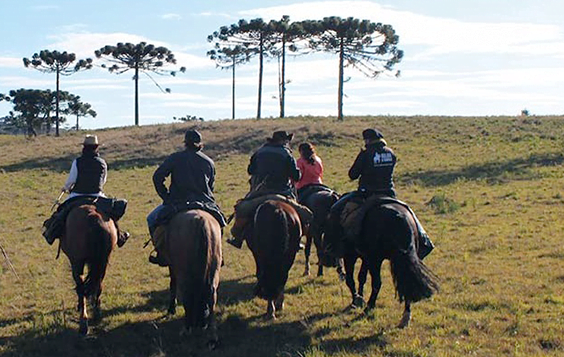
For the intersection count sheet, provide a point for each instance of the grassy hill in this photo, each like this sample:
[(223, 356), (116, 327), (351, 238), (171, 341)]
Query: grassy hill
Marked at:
[(489, 190)]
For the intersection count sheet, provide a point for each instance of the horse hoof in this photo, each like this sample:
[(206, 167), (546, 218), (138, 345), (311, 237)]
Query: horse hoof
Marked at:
[(83, 327), (185, 332), (404, 322), (213, 344), (358, 301), (269, 317)]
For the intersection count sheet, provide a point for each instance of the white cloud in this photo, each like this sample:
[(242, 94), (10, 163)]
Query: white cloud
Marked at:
[(44, 7), (10, 62), (171, 17), (442, 36), (12, 82)]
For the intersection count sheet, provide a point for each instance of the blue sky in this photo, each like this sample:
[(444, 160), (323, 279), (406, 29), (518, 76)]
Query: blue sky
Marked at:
[(477, 57)]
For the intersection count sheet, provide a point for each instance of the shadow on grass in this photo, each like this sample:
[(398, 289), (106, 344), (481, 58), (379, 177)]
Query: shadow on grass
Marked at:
[(238, 337), (63, 164), (492, 172)]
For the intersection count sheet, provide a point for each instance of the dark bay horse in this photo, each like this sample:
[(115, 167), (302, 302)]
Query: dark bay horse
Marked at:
[(319, 203), (388, 232), (193, 248), (88, 241), (274, 244)]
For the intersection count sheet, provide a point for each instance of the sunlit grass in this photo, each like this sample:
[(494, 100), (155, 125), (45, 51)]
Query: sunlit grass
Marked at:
[(488, 190)]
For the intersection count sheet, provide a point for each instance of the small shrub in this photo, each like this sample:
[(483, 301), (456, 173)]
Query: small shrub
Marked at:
[(442, 204)]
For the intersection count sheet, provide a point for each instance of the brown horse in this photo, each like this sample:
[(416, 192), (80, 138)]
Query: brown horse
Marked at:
[(274, 244), (89, 239), (388, 232), (319, 203), (193, 247)]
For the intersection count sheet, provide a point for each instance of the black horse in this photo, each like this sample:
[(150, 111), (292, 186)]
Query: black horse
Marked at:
[(319, 202), (388, 232)]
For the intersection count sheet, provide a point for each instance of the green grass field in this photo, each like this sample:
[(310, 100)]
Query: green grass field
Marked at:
[(490, 191)]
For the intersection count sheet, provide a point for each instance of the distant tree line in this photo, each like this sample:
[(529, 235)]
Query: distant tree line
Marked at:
[(367, 46), (33, 108)]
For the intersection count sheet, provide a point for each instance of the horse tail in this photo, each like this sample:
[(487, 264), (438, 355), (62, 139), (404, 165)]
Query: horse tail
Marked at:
[(99, 249), (271, 229), (199, 290), (412, 279)]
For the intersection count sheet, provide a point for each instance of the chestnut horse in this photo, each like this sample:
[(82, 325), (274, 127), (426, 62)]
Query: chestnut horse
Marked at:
[(388, 232), (193, 248), (319, 203), (89, 238), (274, 244)]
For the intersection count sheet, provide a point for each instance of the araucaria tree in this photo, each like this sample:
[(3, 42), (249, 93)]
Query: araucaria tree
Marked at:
[(60, 63), (229, 57), (31, 108), (140, 58), (80, 109), (253, 36), (367, 46)]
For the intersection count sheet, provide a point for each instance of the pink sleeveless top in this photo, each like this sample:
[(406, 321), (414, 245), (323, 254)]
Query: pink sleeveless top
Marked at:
[(311, 174)]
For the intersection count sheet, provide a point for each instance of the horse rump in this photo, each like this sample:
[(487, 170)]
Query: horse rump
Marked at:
[(194, 247), (412, 279), (276, 247), (100, 245)]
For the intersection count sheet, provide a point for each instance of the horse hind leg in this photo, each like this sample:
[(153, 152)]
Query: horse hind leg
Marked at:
[(307, 252), (270, 310), (357, 301), (172, 302), (406, 317), (77, 271), (376, 283)]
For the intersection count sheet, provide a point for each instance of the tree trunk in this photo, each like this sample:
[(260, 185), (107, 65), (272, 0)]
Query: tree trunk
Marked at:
[(57, 106), (283, 79), (77, 122), (233, 92), (260, 77), (136, 95), (341, 74)]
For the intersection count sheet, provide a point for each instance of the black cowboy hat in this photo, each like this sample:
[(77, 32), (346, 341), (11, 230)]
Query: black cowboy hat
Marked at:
[(192, 137), (281, 135), (371, 134)]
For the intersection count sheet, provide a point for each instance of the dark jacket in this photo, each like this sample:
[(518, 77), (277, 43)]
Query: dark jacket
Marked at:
[(92, 170), (275, 166), (192, 178), (375, 167)]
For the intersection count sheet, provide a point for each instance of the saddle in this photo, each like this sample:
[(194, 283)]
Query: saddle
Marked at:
[(306, 191), (170, 210), (54, 227), (355, 210)]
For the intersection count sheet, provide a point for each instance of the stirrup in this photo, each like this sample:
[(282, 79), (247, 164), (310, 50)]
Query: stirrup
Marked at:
[(235, 242), (155, 259), (122, 238)]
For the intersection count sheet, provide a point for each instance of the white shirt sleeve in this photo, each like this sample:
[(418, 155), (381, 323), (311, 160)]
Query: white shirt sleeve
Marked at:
[(73, 175), (105, 178)]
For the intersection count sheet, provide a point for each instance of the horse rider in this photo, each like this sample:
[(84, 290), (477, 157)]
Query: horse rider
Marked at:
[(87, 177), (273, 170), (192, 181), (374, 167), (311, 168)]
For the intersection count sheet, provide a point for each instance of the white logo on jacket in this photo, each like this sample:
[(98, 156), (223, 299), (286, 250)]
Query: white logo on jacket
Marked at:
[(383, 159)]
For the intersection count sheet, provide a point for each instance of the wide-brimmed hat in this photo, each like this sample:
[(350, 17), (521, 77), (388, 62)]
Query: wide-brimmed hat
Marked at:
[(371, 134), (90, 140), (192, 136), (281, 135)]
